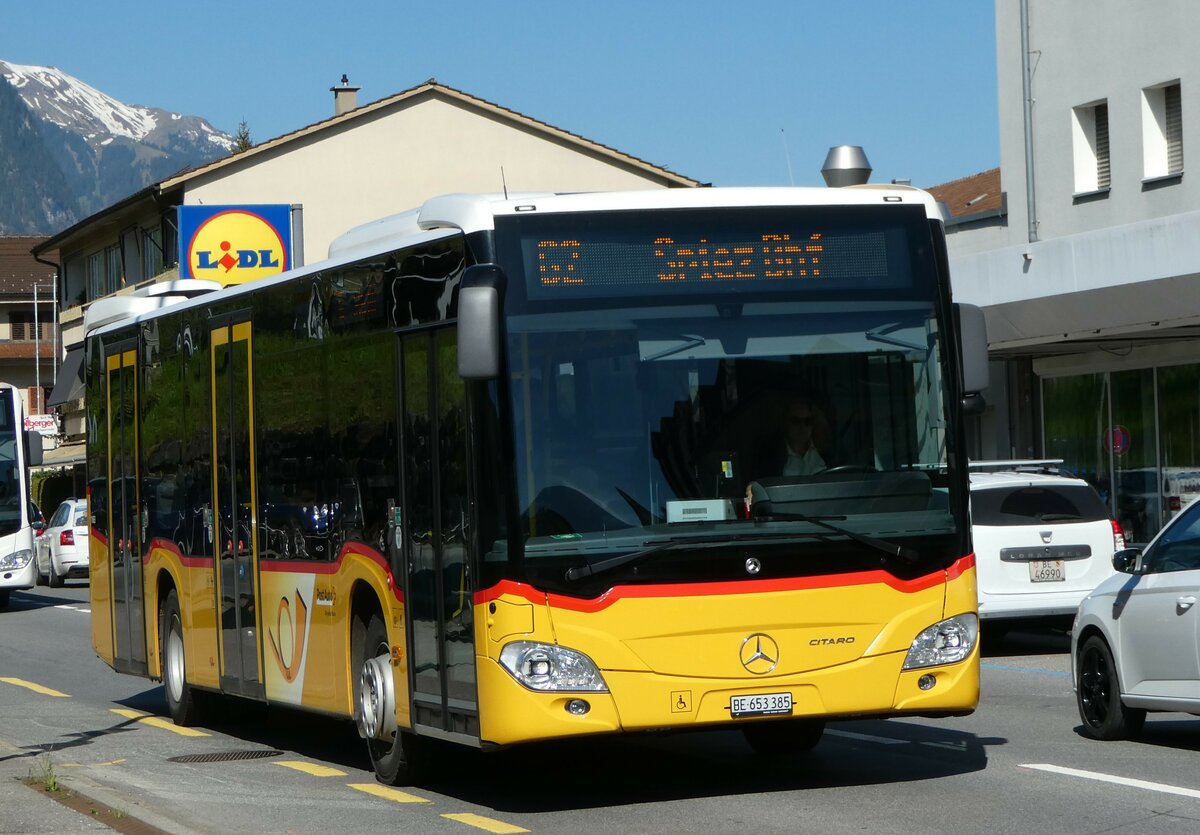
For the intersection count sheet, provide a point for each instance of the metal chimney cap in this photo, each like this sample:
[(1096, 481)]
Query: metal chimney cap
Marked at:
[(846, 165)]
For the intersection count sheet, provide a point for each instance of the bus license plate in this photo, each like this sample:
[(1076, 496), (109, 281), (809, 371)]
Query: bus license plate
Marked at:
[(1046, 571), (763, 704)]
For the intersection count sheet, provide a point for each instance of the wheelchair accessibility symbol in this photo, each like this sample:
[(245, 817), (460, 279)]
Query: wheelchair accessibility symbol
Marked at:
[(681, 701)]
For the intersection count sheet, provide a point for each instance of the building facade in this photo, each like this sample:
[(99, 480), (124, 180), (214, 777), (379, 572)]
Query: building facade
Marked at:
[(29, 340), (363, 163), (1089, 270)]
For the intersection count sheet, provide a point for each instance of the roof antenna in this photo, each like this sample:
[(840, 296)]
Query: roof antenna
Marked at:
[(503, 182), (787, 156)]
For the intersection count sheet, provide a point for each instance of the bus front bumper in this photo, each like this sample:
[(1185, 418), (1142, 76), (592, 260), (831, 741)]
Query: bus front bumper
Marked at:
[(646, 701)]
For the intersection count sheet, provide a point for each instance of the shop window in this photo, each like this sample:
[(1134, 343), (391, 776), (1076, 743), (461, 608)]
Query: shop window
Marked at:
[(1075, 419), (1179, 440)]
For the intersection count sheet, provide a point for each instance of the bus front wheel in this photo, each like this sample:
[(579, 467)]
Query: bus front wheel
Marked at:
[(396, 755)]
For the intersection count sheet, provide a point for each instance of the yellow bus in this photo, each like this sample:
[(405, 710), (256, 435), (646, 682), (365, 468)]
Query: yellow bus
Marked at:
[(513, 469)]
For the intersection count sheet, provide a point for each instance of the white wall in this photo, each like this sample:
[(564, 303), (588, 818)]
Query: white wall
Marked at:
[(395, 160), (1083, 52)]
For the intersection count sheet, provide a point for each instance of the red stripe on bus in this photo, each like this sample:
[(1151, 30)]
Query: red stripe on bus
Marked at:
[(858, 578), (292, 566)]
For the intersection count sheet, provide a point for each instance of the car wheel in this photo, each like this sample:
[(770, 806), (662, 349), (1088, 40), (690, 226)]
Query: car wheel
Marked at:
[(184, 703), (56, 579), (784, 737), (398, 757), (4, 598), (39, 578), (1103, 713)]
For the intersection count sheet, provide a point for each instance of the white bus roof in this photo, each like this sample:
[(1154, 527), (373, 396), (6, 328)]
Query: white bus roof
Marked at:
[(477, 212), (451, 213)]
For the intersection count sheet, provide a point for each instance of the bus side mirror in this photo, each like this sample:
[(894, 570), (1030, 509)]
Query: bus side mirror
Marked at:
[(480, 303), (972, 333), (33, 448)]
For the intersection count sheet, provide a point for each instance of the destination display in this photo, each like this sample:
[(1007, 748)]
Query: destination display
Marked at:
[(588, 263)]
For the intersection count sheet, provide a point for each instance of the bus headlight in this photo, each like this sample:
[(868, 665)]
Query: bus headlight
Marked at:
[(944, 643), (17, 559), (548, 667)]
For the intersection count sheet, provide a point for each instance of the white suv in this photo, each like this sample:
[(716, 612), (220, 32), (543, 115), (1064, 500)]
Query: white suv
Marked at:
[(1043, 540)]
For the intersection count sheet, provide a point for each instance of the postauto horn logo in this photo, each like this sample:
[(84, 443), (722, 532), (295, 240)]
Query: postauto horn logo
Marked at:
[(234, 244)]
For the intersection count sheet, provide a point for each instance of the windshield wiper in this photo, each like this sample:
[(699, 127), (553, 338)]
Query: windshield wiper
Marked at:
[(687, 340), (1059, 517), (889, 548), (600, 566)]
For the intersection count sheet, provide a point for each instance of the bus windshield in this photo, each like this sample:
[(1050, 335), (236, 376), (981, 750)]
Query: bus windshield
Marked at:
[(11, 493), (686, 427)]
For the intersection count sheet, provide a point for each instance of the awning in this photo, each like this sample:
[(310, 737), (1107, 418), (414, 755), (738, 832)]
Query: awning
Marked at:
[(70, 384), (64, 455)]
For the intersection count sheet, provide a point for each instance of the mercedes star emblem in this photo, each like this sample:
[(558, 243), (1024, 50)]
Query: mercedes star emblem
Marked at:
[(759, 653), (753, 566)]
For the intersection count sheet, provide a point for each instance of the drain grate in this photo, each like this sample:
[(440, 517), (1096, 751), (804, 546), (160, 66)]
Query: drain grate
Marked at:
[(226, 756)]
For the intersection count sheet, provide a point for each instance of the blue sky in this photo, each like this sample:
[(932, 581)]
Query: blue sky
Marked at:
[(726, 93)]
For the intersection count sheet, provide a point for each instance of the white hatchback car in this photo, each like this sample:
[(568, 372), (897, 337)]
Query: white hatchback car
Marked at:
[(1135, 645), (62, 549), (1043, 540)]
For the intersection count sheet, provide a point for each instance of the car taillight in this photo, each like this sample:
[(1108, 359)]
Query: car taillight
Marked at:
[(1118, 536), (66, 538), (1173, 503)]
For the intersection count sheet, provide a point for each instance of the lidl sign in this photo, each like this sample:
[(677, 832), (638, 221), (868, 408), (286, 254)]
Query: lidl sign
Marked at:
[(234, 244)]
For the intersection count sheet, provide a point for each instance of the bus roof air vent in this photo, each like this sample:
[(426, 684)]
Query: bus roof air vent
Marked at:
[(846, 165)]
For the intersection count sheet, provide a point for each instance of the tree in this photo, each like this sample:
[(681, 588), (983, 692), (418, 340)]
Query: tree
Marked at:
[(242, 140)]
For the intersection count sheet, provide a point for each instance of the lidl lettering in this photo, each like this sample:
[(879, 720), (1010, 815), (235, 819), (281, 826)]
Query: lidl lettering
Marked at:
[(242, 259)]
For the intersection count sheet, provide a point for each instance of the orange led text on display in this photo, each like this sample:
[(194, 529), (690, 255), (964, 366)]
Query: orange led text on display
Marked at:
[(775, 256)]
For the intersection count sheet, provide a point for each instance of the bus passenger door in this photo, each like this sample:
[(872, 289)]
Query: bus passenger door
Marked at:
[(439, 594), (124, 529), (235, 532)]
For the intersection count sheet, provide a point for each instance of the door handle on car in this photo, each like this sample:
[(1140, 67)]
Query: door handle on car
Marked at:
[(1186, 602)]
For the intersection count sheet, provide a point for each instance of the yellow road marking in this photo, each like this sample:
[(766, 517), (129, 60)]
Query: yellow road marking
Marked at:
[(91, 765), (386, 793), (156, 722), (480, 822), (311, 768), (36, 688)]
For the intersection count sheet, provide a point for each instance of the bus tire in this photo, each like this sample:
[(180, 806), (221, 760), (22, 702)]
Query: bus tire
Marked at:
[(183, 701), (396, 762), (4, 598), (787, 736)]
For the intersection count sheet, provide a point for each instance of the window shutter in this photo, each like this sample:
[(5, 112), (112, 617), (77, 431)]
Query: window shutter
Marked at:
[(1103, 176), (1174, 129)]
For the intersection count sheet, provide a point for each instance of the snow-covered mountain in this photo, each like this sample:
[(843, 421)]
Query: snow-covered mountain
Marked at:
[(68, 150)]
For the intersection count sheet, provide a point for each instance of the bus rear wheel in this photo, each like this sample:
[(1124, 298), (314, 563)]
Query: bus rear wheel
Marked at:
[(785, 736), (183, 702), (396, 755)]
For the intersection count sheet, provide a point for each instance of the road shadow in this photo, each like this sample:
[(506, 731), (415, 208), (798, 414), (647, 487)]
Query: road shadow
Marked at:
[(1023, 640), (306, 734), (28, 600), (654, 768), (1180, 734), (615, 770)]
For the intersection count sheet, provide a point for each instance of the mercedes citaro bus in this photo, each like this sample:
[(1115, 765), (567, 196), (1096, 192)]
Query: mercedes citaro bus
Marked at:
[(514, 469)]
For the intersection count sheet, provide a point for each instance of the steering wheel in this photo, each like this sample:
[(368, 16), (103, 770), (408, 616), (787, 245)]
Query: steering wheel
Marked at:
[(850, 468)]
